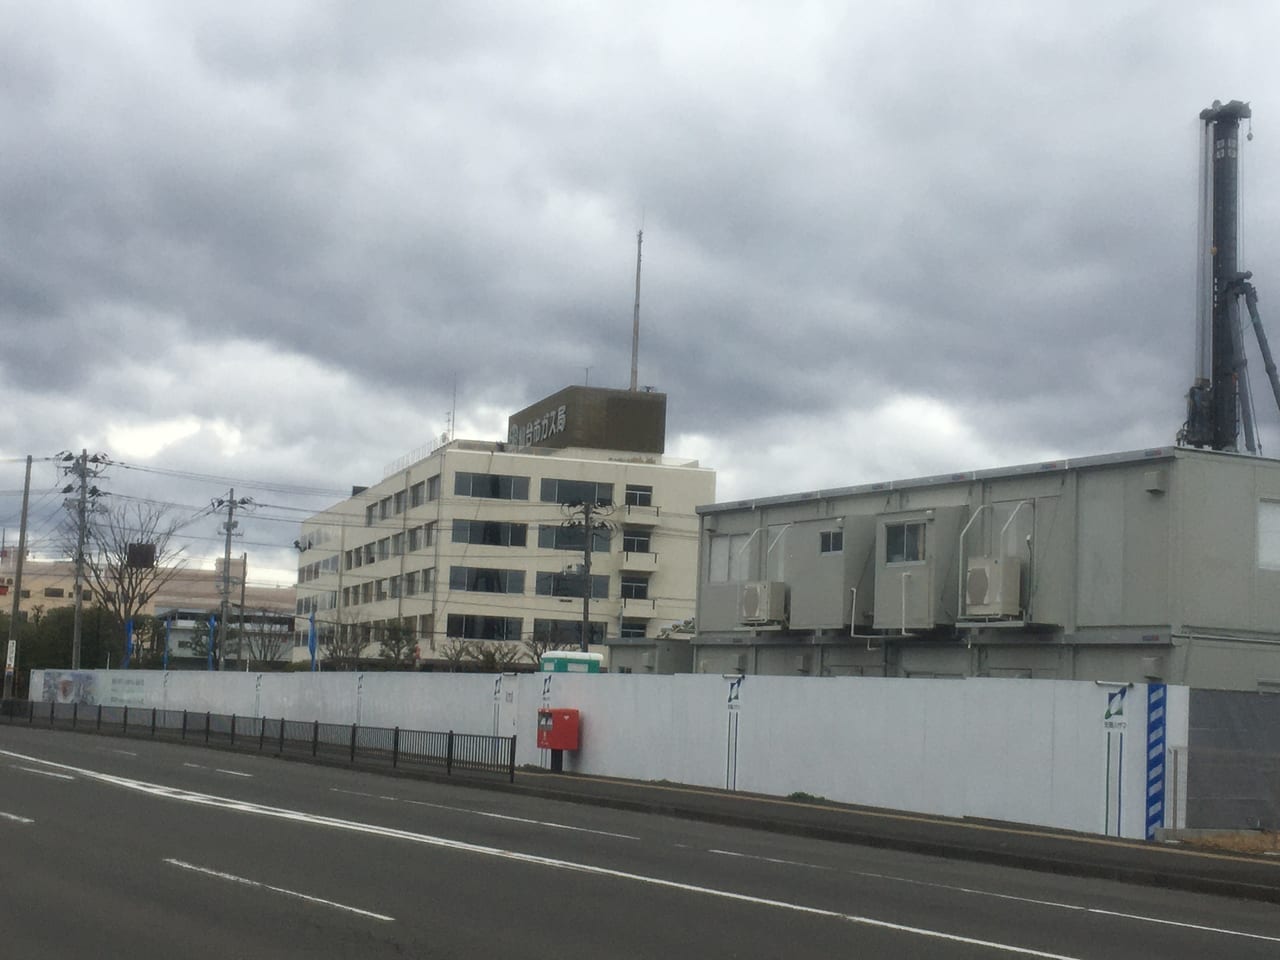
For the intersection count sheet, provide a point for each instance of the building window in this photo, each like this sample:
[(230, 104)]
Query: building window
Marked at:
[(384, 508), (418, 494), (474, 627), (831, 541), (428, 579), (491, 532), (397, 544), (636, 540), (415, 539), (380, 590), (572, 538), (639, 495), (492, 486), (384, 548), (397, 504), (394, 587), (1269, 534), (370, 514), (55, 592), (633, 629), (904, 542), (486, 580), (366, 592), (565, 633), (369, 556), (433, 488), (576, 491), (570, 585), (729, 560), (411, 583), (635, 586)]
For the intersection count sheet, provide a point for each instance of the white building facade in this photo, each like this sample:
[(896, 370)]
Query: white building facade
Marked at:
[(483, 542)]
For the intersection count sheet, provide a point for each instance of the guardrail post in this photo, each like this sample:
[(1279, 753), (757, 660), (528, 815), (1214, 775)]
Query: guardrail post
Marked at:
[(395, 747), (124, 727), (153, 722), (282, 736), (31, 713), (51, 713), (315, 737), (184, 724), (262, 733), (448, 756), (353, 743), (511, 769), (208, 716), (233, 729), (75, 714)]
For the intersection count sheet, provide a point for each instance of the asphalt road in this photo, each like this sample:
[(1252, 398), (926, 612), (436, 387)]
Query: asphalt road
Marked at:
[(121, 848)]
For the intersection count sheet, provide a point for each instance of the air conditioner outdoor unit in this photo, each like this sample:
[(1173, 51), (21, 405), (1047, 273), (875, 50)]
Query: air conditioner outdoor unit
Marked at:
[(763, 601), (992, 587)]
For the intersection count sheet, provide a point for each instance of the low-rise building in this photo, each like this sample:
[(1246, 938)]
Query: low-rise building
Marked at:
[(1160, 564)]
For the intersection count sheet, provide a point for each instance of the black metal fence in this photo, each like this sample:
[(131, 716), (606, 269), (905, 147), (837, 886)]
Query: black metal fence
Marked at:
[(399, 749)]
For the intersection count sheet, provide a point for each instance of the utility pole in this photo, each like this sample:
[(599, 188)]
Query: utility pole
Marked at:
[(589, 511), (588, 525), (11, 657), (82, 504), (229, 526), (244, 578), (80, 468)]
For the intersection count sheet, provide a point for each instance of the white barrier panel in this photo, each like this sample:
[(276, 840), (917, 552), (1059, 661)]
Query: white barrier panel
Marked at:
[(1057, 753)]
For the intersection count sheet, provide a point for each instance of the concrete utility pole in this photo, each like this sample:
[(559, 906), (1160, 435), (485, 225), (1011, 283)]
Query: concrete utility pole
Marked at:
[(589, 511), (81, 469), (588, 525), (229, 526), (11, 657)]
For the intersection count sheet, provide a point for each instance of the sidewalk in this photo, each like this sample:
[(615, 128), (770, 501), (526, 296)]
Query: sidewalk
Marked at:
[(1162, 864)]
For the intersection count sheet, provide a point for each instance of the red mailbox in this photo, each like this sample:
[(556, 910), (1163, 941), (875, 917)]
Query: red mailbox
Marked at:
[(558, 729)]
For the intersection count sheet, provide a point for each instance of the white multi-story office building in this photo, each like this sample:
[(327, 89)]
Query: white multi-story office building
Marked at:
[(484, 541)]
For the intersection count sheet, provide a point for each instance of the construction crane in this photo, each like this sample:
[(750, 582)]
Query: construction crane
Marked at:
[(1219, 406)]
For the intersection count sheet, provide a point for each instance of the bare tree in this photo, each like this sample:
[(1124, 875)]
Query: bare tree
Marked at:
[(538, 644), (397, 642), (124, 578), (456, 652), (267, 635), (342, 641), (492, 656)]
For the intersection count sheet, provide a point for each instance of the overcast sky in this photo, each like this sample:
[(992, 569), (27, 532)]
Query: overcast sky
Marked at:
[(262, 242)]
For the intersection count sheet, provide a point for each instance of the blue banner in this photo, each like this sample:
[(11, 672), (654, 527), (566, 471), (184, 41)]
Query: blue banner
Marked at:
[(213, 634), (128, 643), (168, 628)]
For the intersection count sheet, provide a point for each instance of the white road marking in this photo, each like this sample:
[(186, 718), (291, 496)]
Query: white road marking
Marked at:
[(232, 773), (772, 859), (298, 816), (486, 813), (266, 886), (1054, 904), (127, 753), (15, 818), (193, 766), (45, 773)]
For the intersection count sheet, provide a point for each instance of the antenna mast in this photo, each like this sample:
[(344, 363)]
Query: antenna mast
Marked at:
[(635, 316)]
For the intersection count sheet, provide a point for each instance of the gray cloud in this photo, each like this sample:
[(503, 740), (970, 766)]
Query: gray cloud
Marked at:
[(303, 226)]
